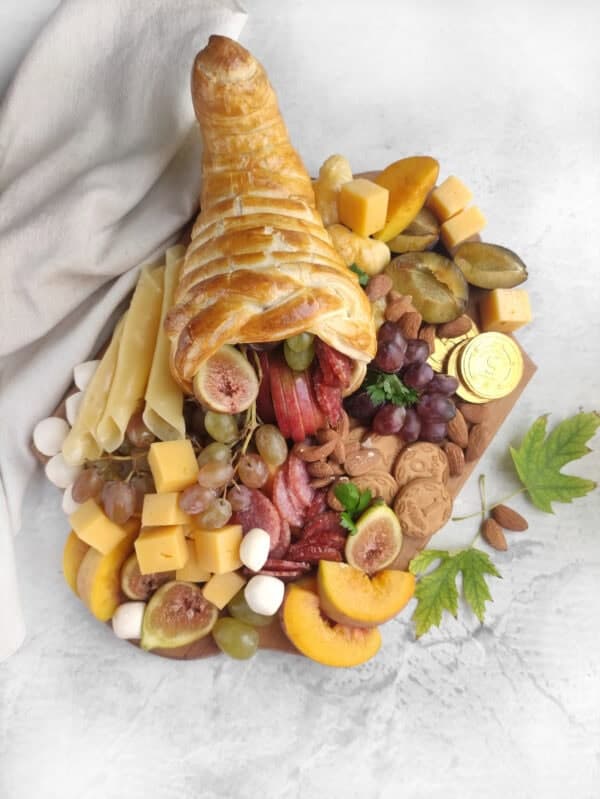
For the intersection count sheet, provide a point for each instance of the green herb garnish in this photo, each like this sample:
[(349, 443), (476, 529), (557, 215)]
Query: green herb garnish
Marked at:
[(389, 388), (354, 501), (363, 278)]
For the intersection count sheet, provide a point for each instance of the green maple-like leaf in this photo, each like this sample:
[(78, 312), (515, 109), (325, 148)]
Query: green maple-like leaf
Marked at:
[(539, 459), (437, 591)]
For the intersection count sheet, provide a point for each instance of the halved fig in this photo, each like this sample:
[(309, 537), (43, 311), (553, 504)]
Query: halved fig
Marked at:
[(226, 382), (177, 614), (438, 288), (490, 266), (136, 585), (377, 542)]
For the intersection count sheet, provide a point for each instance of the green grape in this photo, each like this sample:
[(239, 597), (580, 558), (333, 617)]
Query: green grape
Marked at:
[(221, 426), (234, 638), (300, 342), (216, 515), (239, 609), (298, 361), (271, 445), (215, 453)]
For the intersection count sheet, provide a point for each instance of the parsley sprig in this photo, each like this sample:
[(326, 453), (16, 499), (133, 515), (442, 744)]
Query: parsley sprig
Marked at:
[(363, 278), (354, 501), (382, 388)]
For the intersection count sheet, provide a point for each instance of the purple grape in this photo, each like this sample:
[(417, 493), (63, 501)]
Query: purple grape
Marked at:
[(436, 408), (442, 384), (411, 427), (433, 431), (390, 357), (360, 406), (417, 375), (389, 419), (390, 332), (417, 351)]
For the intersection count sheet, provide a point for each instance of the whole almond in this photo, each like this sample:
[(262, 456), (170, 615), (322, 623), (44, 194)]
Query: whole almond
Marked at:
[(456, 458), (320, 469), (474, 413), (478, 441), (493, 534), (321, 482), (509, 519), (458, 327), (378, 286), (427, 334), (409, 324), (397, 306), (457, 430)]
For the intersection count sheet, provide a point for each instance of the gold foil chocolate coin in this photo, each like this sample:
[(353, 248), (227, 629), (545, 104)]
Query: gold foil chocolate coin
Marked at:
[(442, 346), (491, 365), (452, 368)]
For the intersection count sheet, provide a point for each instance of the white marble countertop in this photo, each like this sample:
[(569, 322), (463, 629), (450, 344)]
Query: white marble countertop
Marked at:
[(506, 97)]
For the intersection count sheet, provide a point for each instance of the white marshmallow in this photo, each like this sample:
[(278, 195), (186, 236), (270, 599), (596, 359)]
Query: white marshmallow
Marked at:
[(127, 621), (72, 405), (83, 373), (254, 549), (49, 435), (264, 594), (60, 473), (68, 503)]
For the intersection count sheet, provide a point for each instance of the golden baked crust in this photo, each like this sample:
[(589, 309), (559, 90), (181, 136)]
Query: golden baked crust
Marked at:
[(260, 266)]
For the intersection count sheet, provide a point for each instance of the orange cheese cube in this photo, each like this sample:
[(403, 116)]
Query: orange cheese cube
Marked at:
[(192, 572), (173, 465), (504, 310), (161, 549), (223, 587), (462, 226), (93, 526), (160, 510), (450, 197), (218, 551), (362, 206)]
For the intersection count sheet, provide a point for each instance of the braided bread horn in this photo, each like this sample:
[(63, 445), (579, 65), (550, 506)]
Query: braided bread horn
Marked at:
[(260, 266)]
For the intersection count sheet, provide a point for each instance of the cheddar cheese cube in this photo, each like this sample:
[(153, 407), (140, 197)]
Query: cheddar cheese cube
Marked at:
[(223, 587), (218, 551), (161, 549), (363, 205), (93, 526), (192, 572), (504, 310), (162, 510), (173, 465), (450, 197), (462, 226)]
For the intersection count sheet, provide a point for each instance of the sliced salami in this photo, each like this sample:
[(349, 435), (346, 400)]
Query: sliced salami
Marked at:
[(318, 505), (298, 480), (327, 522), (283, 544), (312, 553), (329, 398), (261, 513), (284, 502), (336, 367)]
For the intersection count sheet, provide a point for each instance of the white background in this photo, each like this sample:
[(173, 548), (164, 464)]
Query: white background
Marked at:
[(507, 96)]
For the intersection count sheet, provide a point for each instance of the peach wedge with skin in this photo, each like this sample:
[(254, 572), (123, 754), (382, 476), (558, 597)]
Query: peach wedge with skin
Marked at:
[(408, 181), (351, 597), (73, 553), (319, 638)]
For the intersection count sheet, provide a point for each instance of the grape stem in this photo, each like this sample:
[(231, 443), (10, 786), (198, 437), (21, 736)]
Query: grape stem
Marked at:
[(490, 507)]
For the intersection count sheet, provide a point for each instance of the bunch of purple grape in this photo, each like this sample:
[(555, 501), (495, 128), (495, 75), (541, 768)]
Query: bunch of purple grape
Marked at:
[(428, 418)]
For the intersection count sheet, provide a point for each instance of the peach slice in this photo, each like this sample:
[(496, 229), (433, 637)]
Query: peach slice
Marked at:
[(408, 181), (351, 597), (73, 553), (319, 638)]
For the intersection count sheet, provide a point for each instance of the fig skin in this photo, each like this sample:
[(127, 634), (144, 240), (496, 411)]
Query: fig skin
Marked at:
[(378, 541), (136, 585), (177, 605), (226, 382)]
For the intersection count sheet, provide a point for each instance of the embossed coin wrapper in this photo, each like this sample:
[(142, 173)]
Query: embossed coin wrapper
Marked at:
[(84, 204)]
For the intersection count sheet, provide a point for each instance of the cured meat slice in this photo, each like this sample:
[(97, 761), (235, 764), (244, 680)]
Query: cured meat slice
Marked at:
[(329, 398), (336, 367), (318, 505), (260, 513), (284, 541), (312, 553), (298, 480), (327, 522), (284, 502)]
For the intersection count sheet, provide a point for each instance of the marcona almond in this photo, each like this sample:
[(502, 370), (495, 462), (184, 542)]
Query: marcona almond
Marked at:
[(427, 334), (409, 324), (478, 441), (458, 327), (493, 534), (509, 519), (474, 413), (456, 458), (378, 286), (457, 430)]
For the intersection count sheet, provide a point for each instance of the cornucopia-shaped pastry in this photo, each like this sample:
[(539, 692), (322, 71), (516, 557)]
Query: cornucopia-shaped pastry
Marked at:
[(260, 266)]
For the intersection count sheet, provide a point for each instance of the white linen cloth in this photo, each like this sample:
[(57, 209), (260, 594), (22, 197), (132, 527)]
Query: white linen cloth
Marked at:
[(99, 169)]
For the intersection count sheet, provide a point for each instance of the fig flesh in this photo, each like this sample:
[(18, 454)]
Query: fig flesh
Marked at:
[(136, 585), (490, 266), (177, 615), (377, 542), (226, 382)]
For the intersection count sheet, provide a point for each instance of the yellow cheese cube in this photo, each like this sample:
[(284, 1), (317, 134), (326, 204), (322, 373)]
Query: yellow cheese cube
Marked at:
[(223, 587), (161, 549), (94, 527), (450, 197), (504, 310), (192, 572), (173, 465), (462, 226), (363, 206), (218, 551), (160, 510)]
